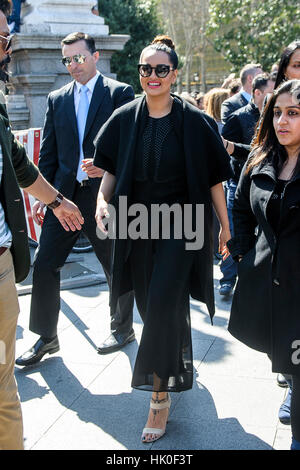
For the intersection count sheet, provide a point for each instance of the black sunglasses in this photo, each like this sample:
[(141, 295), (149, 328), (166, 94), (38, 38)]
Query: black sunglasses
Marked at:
[(161, 70), (78, 58), (8, 40)]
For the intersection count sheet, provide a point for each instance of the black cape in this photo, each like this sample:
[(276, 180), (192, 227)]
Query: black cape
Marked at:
[(207, 164)]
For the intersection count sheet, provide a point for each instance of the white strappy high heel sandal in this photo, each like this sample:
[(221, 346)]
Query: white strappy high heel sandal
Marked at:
[(159, 432)]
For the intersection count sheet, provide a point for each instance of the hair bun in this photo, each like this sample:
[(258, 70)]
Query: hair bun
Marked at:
[(164, 39)]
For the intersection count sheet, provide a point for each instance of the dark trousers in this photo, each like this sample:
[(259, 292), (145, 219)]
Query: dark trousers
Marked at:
[(54, 247), (229, 266), (295, 408), (16, 15)]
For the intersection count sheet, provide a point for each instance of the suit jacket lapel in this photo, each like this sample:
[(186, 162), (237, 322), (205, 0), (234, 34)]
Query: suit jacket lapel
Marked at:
[(70, 107), (99, 93)]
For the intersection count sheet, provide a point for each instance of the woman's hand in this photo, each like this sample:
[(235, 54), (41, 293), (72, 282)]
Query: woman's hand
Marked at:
[(105, 193), (101, 213), (224, 236)]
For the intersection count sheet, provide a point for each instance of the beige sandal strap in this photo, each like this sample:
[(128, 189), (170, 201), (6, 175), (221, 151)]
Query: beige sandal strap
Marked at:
[(161, 406), (153, 431)]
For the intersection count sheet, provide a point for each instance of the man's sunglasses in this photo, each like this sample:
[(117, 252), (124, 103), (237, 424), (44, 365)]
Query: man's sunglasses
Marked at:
[(161, 70), (7, 42), (78, 59)]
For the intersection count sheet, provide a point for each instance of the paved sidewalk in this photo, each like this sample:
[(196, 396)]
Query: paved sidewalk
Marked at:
[(78, 399)]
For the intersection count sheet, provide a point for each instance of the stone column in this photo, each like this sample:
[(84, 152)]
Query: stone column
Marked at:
[(36, 67)]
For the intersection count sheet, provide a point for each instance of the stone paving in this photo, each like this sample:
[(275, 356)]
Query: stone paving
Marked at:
[(78, 399)]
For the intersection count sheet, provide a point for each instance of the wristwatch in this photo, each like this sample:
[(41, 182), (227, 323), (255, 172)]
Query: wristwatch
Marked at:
[(57, 202)]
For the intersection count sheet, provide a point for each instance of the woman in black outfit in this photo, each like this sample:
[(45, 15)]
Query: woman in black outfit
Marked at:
[(161, 150), (266, 216), (288, 69)]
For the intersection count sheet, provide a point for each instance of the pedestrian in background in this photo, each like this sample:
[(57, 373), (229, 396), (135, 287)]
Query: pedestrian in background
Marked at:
[(289, 64), (14, 20), (74, 115), (238, 133), (199, 100), (240, 99), (214, 100)]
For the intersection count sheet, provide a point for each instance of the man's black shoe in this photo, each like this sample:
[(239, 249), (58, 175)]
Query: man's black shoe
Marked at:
[(38, 351), (115, 342)]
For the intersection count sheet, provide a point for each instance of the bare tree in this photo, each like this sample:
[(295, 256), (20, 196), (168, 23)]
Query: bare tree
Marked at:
[(185, 21)]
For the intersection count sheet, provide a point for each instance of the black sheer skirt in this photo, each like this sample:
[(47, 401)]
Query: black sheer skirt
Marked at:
[(161, 271)]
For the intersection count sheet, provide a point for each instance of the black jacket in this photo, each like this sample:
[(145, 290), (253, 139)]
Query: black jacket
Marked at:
[(59, 154), (265, 307), (240, 128), (18, 170), (206, 163), (232, 104)]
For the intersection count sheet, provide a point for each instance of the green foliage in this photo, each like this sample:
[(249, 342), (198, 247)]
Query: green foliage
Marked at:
[(253, 31), (139, 19)]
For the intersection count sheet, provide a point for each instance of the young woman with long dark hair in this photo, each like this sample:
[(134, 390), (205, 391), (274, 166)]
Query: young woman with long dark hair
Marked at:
[(266, 217)]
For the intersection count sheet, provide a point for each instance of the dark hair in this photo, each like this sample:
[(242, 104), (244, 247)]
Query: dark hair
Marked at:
[(165, 44), (75, 37), (6, 7), (285, 60), (266, 145), (260, 82)]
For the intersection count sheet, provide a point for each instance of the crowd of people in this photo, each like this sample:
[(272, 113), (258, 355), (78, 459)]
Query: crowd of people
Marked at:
[(229, 157), (244, 120)]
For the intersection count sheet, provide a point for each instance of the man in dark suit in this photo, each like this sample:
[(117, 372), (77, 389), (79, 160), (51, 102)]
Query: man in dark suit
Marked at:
[(238, 133), (243, 97), (17, 170), (74, 116)]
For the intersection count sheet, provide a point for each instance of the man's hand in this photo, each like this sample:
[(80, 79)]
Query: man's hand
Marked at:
[(91, 170), (69, 215), (67, 212), (38, 212)]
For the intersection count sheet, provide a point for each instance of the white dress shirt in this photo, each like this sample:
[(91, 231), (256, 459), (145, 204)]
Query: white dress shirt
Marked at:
[(5, 233), (246, 95), (90, 84)]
